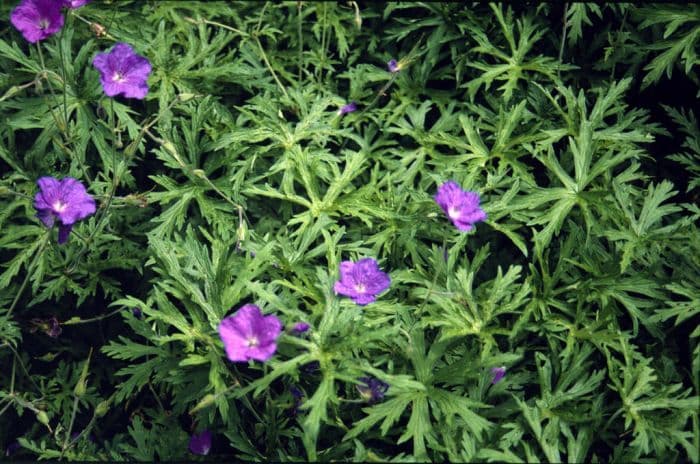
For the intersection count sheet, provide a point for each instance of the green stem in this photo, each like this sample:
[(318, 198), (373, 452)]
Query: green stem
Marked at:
[(300, 40), (93, 319), (44, 71), (30, 269)]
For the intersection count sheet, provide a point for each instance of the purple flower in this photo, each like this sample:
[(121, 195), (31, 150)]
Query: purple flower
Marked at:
[(349, 108), (462, 207), (12, 448), (498, 374), (300, 328), (65, 200), (200, 443), (123, 72), (297, 395), (373, 389), (361, 281), (250, 335), (37, 19), (138, 314), (75, 3), (393, 66)]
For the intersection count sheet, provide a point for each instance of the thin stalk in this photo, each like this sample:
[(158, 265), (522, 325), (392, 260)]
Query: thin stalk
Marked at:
[(269, 67), (61, 126), (563, 36), (66, 442), (30, 269), (93, 319), (300, 40)]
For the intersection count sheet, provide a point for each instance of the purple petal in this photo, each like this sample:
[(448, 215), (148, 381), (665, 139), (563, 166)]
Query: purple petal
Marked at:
[(498, 374), (37, 19), (63, 232), (200, 443)]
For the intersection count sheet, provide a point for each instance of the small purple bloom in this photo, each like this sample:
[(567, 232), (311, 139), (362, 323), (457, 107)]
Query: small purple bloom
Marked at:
[(361, 281), (300, 327), (393, 66), (123, 72), (297, 395), (200, 443), (12, 448), (65, 200), (349, 108), (373, 389), (250, 335), (498, 374), (462, 207), (138, 314), (310, 367), (37, 19), (75, 3)]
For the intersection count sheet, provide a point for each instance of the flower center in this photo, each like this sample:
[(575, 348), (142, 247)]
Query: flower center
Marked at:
[(59, 207), (43, 23), (118, 77), (252, 342), (360, 288), (453, 212)]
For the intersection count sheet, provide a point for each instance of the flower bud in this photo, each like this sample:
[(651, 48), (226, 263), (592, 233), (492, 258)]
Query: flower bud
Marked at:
[(102, 409), (42, 417), (205, 402)]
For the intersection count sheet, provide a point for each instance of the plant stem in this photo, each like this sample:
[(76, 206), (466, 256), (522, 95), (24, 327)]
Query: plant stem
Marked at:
[(30, 268)]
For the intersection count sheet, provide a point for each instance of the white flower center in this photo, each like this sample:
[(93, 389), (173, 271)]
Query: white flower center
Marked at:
[(252, 341), (118, 77), (43, 23), (59, 207), (360, 288), (453, 212)]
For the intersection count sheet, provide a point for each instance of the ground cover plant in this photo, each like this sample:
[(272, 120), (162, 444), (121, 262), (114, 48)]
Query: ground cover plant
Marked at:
[(353, 231)]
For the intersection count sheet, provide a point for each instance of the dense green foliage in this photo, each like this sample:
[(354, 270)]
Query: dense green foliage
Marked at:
[(237, 182)]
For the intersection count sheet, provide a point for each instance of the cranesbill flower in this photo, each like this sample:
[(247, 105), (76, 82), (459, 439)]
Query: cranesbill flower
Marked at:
[(250, 335), (498, 374), (462, 207), (123, 72), (373, 389), (361, 281), (200, 443), (349, 108), (393, 66), (37, 19), (75, 3), (65, 200), (300, 328)]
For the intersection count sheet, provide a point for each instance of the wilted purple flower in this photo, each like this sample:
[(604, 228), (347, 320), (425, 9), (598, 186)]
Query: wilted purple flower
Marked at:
[(75, 3), (37, 19), (54, 328), (462, 207), (361, 281), (393, 66), (349, 108), (373, 389), (65, 200), (123, 72), (300, 328), (200, 443), (250, 335), (138, 314), (498, 374)]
